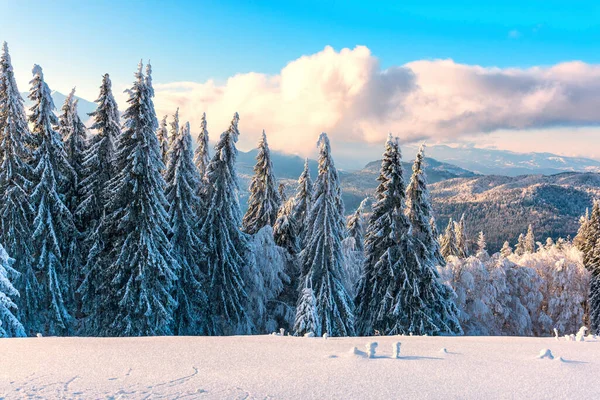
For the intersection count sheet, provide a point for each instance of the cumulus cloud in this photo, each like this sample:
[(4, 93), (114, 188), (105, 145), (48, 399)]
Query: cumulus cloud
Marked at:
[(350, 96)]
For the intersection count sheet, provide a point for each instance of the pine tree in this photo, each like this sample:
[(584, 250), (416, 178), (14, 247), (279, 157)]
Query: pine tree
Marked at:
[(184, 205), (173, 131), (264, 200), (227, 255), (98, 159), (356, 228), (461, 238), (98, 163), (520, 247), (9, 323), (285, 230), (303, 201), (139, 281), (481, 245), (419, 211), (506, 250), (162, 134), (201, 155), (53, 224), (16, 210), (448, 244), (580, 239), (73, 134), (307, 315), (322, 258), (529, 244)]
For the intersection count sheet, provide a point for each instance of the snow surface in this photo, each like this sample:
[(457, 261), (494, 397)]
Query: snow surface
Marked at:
[(289, 367)]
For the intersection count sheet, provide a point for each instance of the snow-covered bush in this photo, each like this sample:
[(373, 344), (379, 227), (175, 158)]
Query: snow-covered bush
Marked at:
[(9, 324)]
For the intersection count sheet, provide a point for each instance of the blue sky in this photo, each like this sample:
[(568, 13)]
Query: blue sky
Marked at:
[(194, 41)]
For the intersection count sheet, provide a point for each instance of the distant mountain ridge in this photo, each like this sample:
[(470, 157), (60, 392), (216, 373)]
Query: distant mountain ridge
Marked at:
[(84, 107)]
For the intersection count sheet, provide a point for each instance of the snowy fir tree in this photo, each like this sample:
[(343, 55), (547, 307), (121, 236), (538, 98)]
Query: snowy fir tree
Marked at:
[(264, 200), (184, 205), (173, 130), (419, 211), (356, 228), (162, 135), (448, 243), (322, 258), (461, 238), (201, 154), (136, 286), (506, 249), (307, 315), (303, 201), (98, 159), (529, 243), (588, 241), (481, 245), (387, 227), (16, 210), (227, 257), (285, 229), (73, 134), (520, 247), (53, 224), (9, 323)]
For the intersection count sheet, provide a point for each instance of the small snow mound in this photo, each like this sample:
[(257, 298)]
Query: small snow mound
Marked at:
[(309, 334), (325, 335), (38, 334), (356, 352), (546, 353), (282, 331), (559, 359), (371, 346), (396, 350), (556, 334), (443, 350), (581, 334)]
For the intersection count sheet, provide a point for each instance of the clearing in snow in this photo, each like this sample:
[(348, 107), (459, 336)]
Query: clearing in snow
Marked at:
[(290, 367)]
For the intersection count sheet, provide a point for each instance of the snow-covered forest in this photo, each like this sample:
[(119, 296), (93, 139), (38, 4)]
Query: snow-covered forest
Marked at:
[(129, 227)]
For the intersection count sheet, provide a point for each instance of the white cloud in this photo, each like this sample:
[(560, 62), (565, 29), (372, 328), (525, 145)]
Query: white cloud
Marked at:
[(348, 95)]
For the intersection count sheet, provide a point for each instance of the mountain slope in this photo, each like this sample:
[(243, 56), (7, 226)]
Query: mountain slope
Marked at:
[(504, 206), (83, 108)]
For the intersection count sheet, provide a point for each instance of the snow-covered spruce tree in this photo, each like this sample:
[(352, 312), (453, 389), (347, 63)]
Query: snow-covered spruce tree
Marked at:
[(227, 257), (448, 244), (303, 201), (520, 247), (356, 228), (590, 248), (285, 229), (162, 135), (53, 224), (529, 243), (386, 227), (73, 134), (191, 316), (264, 200), (307, 315), (201, 155), (322, 258), (481, 246), (9, 323), (419, 211), (580, 239), (506, 249), (461, 238), (98, 159), (16, 210), (173, 130), (141, 275)]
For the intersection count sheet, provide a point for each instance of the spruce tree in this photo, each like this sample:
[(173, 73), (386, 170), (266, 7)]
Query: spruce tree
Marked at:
[(184, 205), (9, 323), (285, 229), (448, 244), (520, 247), (201, 154), (173, 130), (356, 228), (53, 224), (73, 134), (163, 139), (419, 211), (264, 200), (461, 238), (303, 201), (506, 250), (529, 244), (307, 316), (138, 283), (227, 255), (16, 210), (322, 257), (481, 245)]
